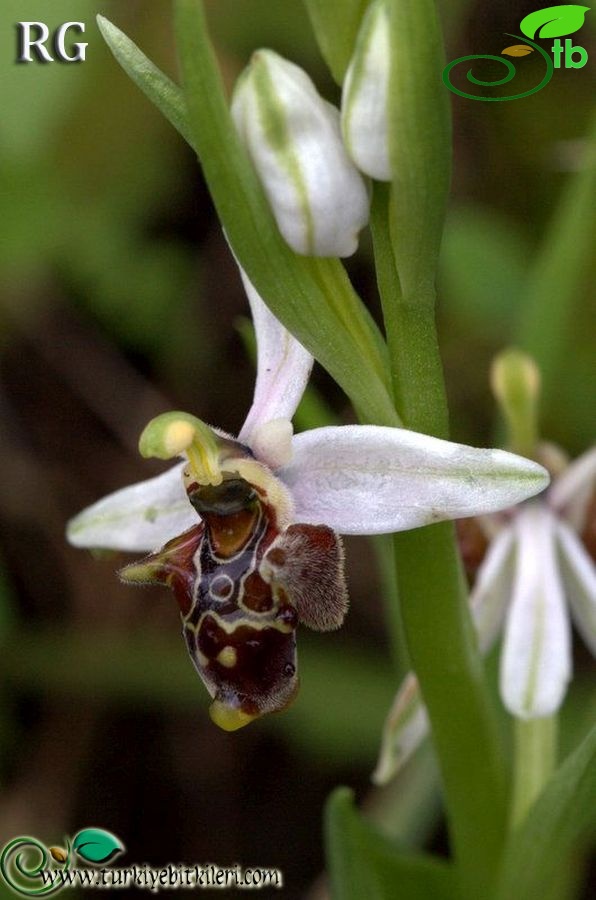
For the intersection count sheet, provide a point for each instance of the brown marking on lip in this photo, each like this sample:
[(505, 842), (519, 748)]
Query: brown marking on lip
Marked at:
[(265, 660), (229, 534), (257, 594)]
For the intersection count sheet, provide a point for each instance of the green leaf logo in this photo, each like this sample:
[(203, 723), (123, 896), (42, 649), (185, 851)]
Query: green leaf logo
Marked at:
[(96, 845), (554, 21)]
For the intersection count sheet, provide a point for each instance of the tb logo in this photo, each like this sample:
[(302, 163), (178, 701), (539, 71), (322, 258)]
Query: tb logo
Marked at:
[(32, 39)]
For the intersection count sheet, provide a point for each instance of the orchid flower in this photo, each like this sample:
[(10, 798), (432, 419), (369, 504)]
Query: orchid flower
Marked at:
[(250, 524), (535, 572)]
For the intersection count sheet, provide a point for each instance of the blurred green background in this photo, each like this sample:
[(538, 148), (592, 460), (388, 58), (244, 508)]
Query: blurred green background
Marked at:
[(119, 300)]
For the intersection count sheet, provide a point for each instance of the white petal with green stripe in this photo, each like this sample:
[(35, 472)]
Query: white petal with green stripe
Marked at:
[(579, 578), (319, 199), (140, 517), (365, 96), (405, 728), (536, 657)]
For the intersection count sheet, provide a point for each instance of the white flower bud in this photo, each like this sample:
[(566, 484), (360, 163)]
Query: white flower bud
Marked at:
[(319, 199), (365, 96)]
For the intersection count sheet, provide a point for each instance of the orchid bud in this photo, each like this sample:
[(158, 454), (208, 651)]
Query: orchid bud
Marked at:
[(365, 96), (319, 199), (515, 382)]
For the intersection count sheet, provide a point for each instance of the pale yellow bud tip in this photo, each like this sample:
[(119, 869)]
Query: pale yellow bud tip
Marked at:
[(515, 382), (229, 718), (514, 372)]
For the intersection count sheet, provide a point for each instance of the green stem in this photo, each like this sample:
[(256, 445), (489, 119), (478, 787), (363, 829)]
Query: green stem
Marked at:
[(385, 555), (535, 760), (433, 595), (524, 440), (445, 658), (410, 330)]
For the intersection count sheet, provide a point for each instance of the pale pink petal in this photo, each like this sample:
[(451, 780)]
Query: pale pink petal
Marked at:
[(579, 579), (367, 479), (572, 491), (536, 655), (283, 368), (492, 589), (141, 517)]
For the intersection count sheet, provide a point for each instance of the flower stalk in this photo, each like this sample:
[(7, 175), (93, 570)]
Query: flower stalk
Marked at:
[(445, 657), (535, 758)]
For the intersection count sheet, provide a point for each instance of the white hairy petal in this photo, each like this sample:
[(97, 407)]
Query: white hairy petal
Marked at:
[(492, 588), (141, 517), (572, 491), (536, 656), (283, 368), (365, 96), (319, 199), (405, 728), (579, 579), (368, 479)]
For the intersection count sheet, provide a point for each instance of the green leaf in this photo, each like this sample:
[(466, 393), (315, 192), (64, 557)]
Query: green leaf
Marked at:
[(554, 21), (313, 297), (96, 845), (561, 818), (336, 24), (161, 90), (363, 863)]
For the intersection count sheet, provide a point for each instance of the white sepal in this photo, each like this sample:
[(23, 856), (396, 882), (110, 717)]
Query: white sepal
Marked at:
[(405, 728), (536, 655), (283, 367), (572, 491), (319, 199), (492, 589), (141, 517), (579, 579), (368, 479), (365, 96)]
